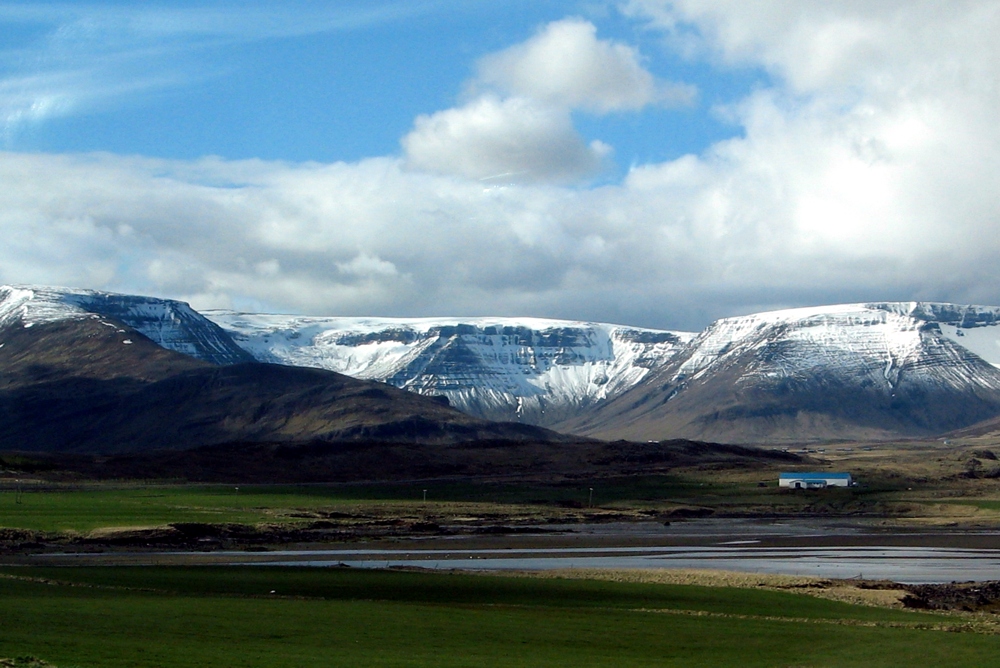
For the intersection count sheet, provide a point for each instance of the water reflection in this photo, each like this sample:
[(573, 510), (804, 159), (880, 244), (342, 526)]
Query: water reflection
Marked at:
[(901, 564), (837, 548)]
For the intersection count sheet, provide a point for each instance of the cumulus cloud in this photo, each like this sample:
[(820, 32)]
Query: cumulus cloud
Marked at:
[(518, 128), (866, 170), (882, 118), (820, 46), (566, 65), (510, 140)]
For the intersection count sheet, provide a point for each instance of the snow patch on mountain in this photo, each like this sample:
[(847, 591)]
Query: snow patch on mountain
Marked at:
[(928, 343), (529, 369), (983, 341), (31, 306), (975, 328), (171, 324)]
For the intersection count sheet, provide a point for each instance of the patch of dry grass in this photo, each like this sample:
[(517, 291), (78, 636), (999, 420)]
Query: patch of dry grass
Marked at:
[(25, 662), (881, 595)]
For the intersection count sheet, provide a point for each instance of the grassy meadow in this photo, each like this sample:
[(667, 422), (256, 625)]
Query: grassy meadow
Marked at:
[(55, 509), (104, 506), (246, 616), (88, 507), (272, 616), (84, 508)]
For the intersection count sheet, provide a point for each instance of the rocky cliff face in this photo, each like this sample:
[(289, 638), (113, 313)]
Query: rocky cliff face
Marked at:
[(529, 370)]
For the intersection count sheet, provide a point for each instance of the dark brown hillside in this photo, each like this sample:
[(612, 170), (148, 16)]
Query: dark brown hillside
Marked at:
[(86, 348), (87, 386), (361, 460), (267, 402), (987, 429)]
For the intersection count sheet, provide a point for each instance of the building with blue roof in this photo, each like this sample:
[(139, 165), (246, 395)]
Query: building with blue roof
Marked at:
[(813, 480)]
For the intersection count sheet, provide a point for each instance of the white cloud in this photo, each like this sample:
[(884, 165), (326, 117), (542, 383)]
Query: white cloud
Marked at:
[(518, 128), (868, 170), (367, 265), (26, 101), (822, 46), (269, 268), (878, 137), (566, 65), (514, 140)]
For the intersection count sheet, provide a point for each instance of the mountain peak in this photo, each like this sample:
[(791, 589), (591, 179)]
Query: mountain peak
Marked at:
[(171, 324), (843, 371)]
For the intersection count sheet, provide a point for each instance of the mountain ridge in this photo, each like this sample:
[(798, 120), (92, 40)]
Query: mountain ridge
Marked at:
[(851, 371), (532, 370), (871, 370), (169, 323), (95, 385)]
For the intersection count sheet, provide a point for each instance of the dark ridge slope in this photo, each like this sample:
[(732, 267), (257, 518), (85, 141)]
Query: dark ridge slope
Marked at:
[(581, 462), (90, 385)]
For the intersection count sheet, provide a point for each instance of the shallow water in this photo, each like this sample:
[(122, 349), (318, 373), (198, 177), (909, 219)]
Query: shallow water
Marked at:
[(821, 548), (908, 565)]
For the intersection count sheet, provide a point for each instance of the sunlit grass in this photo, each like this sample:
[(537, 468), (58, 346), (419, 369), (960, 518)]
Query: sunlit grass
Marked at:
[(230, 617), (85, 510)]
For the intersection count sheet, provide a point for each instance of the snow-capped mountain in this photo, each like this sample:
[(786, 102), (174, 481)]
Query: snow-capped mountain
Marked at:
[(871, 343), (171, 324), (975, 328), (78, 375), (852, 371), (876, 370), (527, 369)]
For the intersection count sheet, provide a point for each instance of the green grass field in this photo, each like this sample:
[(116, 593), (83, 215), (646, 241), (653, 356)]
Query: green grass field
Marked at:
[(201, 616), (100, 506), (96, 506), (149, 617), (88, 509)]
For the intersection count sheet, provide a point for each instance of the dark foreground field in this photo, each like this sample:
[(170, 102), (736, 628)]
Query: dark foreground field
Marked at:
[(242, 616)]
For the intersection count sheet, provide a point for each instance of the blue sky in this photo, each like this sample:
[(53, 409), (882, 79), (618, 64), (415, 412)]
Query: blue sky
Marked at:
[(649, 162), (312, 81)]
